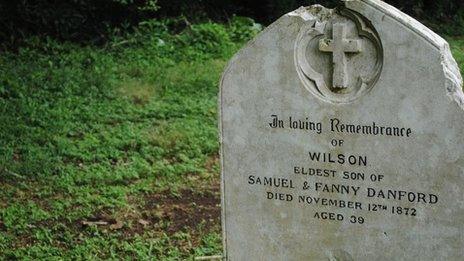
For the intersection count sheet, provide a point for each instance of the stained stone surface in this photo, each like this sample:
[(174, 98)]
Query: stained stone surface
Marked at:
[(342, 139)]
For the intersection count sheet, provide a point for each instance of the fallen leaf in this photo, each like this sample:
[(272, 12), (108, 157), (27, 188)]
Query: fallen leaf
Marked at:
[(94, 223), (117, 225), (144, 222)]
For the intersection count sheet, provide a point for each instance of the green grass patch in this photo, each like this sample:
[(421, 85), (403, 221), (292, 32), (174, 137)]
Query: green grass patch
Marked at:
[(457, 47), (97, 143)]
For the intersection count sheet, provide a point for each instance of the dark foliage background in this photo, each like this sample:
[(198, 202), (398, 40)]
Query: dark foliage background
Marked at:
[(93, 20)]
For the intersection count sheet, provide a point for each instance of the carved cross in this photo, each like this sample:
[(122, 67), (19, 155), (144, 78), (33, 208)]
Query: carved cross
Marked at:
[(339, 46)]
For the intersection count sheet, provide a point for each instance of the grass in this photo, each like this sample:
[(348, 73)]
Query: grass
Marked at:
[(457, 48), (112, 152)]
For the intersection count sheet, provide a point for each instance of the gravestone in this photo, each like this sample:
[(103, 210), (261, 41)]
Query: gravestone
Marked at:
[(342, 139)]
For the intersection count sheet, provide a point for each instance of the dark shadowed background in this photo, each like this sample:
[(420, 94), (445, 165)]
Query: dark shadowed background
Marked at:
[(93, 20)]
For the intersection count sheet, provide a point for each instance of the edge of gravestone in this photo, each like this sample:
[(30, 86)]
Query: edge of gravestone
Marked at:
[(228, 67), (454, 80)]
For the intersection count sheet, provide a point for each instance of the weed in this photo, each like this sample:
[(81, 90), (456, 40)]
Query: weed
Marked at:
[(88, 132)]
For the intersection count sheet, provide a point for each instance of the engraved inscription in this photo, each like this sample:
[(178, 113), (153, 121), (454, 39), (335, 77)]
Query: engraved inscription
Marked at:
[(340, 195)]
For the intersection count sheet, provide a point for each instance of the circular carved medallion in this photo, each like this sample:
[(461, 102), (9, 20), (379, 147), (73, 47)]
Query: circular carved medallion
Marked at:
[(338, 55)]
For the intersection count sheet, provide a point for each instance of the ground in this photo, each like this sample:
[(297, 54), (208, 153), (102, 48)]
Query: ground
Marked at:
[(112, 151)]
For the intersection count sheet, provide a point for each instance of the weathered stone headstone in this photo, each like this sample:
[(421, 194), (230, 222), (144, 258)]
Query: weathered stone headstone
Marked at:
[(342, 138)]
